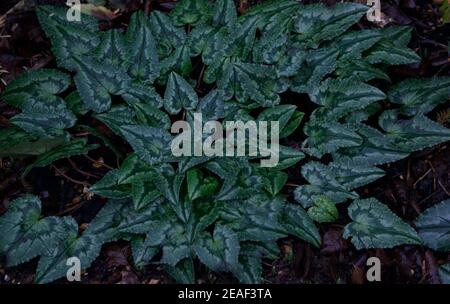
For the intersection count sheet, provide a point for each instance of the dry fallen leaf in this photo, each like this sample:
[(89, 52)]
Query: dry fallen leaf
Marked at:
[(129, 277), (100, 12), (333, 242), (357, 275)]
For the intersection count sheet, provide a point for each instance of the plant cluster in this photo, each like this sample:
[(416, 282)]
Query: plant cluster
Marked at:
[(226, 213)]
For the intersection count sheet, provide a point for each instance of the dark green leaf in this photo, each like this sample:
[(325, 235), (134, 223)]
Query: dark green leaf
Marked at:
[(420, 96), (221, 251), (179, 95), (323, 210), (317, 22), (444, 274), (141, 51), (191, 12), (375, 226), (433, 226), (74, 147), (96, 82), (151, 144)]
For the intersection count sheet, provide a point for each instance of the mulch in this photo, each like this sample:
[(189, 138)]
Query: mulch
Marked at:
[(409, 187)]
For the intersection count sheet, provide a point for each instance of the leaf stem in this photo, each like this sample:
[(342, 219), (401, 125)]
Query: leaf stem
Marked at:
[(200, 77)]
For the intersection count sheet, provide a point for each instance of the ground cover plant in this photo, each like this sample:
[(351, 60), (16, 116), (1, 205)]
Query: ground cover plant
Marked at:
[(225, 213)]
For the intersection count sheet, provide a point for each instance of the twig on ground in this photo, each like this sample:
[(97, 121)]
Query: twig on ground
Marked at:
[(42, 63), (74, 166), (421, 178), (70, 178), (82, 134), (292, 185), (443, 188), (437, 178), (408, 170), (71, 209), (18, 6), (415, 207), (98, 163), (426, 198)]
